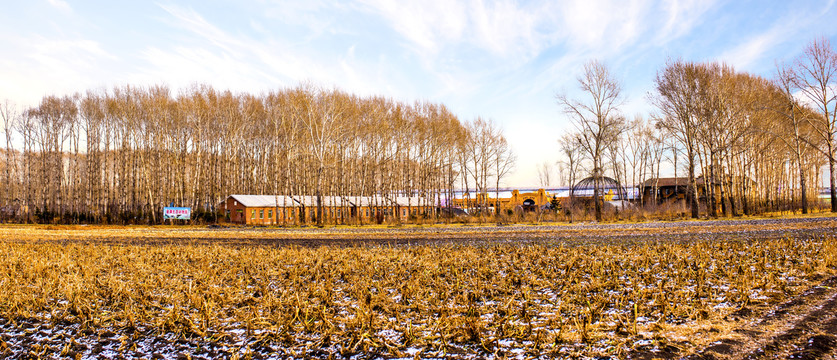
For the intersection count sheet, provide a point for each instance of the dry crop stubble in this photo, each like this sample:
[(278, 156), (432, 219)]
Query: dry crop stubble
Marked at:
[(461, 300)]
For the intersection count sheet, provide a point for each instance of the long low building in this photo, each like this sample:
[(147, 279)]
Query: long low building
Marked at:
[(302, 209)]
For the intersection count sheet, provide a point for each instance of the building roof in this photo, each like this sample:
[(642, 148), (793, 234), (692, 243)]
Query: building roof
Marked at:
[(330, 201), (671, 181), (410, 201), (311, 201), (265, 200), (668, 181), (367, 201)]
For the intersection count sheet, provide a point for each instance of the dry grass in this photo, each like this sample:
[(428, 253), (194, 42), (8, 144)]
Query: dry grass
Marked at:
[(462, 300)]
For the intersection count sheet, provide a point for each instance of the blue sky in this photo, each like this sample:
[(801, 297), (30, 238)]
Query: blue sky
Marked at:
[(503, 60)]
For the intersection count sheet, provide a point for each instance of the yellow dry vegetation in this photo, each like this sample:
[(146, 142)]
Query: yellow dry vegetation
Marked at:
[(489, 298)]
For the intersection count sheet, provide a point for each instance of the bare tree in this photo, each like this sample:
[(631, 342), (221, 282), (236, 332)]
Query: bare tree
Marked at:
[(323, 126), (816, 79), (118, 156), (8, 113), (544, 174), (504, 161), (677, 86), (638, 145), (597, 119), (570, 157), (789, 108)]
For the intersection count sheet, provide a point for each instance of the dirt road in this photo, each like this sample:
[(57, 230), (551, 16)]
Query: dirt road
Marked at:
[(804, 327)]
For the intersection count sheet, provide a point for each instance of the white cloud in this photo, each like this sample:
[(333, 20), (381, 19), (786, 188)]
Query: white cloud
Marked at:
[(60, 5), (503, 59), (502, 28), (183, 66), (505, 29), (681, 16), (193, 22), (752, 51), (37, 65), (512, 34), (316, 15), (755, 48), (216, 47), (206, 53), (427, 24)]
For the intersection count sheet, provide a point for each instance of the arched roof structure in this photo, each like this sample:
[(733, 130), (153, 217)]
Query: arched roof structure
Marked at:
[(584, 188)]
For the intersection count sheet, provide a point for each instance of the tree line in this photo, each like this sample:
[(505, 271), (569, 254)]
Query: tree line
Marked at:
[(121, 155), (762, 142)]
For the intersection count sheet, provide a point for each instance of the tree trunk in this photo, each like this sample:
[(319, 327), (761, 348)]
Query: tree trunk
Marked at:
[(692, 187), (596, 205), (832, 179), (319, 197), (803, 186)]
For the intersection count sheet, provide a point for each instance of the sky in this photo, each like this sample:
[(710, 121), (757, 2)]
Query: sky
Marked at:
[(500, 60)]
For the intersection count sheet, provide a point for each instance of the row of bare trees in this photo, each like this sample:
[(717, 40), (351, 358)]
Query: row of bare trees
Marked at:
[(760, 142), (121, 155), (485, 160)]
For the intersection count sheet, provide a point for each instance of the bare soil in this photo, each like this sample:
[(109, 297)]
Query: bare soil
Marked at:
[(565, 234)]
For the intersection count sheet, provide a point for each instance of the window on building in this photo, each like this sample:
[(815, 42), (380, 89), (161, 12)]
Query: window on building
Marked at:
[(367, 212), (270, 214), (261, 214), (253, 214)]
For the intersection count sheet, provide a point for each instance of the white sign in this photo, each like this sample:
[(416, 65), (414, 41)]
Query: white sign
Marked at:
[(178, 213)]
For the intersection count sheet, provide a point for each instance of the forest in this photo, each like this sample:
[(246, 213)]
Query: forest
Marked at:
[(763, 142), (120, 155)]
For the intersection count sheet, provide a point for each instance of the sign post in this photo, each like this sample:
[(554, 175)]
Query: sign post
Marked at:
[(177, 213)]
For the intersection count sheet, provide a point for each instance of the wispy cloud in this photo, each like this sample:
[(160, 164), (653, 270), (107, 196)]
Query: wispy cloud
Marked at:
[(506, 29), (36, 65), (426, 24), (511, 29), (239, 61), (753, 51), (504, 59), (680, 17), (501, 28), (61, 5), (508, 36)]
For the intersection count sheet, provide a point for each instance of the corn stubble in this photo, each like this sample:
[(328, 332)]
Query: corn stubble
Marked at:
[(436, 300)]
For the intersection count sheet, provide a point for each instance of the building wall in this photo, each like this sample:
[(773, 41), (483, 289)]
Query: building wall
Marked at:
[(240, 214), (269, 215), (674, 193), (406, 213), (540, 198), (235, 210)]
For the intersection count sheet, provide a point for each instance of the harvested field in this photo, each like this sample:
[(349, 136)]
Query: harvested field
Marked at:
[(713, 289)]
